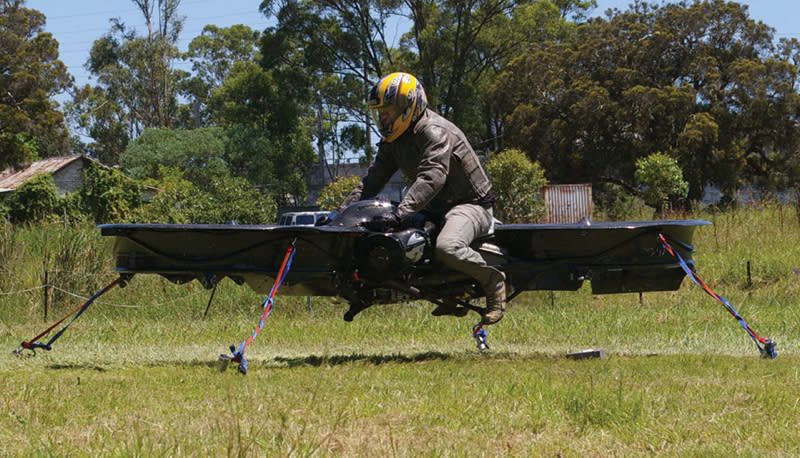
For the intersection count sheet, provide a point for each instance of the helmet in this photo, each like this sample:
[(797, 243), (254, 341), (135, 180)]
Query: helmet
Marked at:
[(396, 101)]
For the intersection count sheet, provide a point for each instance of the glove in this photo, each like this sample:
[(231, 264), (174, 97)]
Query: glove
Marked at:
[(327, 219), (384, 223)]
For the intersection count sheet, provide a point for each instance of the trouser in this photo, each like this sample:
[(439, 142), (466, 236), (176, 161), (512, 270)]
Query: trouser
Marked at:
[(462, 225)]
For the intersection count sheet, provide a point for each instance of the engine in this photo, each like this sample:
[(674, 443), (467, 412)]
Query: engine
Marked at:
[(379, 256), (384, 257)]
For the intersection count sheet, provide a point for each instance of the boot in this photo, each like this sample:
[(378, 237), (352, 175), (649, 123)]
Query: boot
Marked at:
[(495, 301)]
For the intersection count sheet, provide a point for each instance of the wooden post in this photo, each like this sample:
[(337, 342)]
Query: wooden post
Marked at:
[(749, 279), (46, 293)]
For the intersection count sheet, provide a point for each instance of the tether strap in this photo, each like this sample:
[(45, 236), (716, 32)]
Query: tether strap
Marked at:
[(238, 355), (33, 344), (768, 350)]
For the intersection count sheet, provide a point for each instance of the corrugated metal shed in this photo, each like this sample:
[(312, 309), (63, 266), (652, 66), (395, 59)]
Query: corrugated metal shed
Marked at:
[(65, 170), (568, 203)]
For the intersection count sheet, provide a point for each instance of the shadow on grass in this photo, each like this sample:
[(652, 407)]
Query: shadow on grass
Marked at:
[(315, 360), (81, 366), (335, 360)]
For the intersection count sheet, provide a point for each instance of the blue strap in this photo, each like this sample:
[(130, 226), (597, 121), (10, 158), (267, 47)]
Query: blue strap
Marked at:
[(267, 304), (768, 350)]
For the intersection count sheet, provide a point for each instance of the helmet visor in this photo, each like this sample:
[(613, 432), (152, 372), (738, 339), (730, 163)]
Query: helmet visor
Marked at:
[(384, 118)]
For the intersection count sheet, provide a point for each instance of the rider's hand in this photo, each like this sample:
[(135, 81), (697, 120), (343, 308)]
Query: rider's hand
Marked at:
[(327, 219), (384, 223)]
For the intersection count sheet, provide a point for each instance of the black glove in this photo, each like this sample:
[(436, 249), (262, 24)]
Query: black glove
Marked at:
[(327, 219), (384, 223)]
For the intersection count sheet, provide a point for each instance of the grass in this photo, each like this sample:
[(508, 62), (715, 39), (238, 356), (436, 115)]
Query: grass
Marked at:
[(681, 377)]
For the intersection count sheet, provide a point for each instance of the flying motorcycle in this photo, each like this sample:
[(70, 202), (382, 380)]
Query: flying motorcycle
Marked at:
[(345, 258)]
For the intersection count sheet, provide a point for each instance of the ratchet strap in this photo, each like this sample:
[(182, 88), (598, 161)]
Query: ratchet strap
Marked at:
[(33, 344), (768, 348)]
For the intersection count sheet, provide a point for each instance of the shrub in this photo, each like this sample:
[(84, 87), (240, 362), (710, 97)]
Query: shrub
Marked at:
[(334, 193), (517, 184), (107, 195), (34, 200), (662, 180), (224, 199)]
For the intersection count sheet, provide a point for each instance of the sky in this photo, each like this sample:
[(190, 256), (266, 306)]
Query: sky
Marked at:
[(77, 23)]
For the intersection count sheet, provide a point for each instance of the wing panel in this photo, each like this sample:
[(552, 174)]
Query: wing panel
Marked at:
[(246, 254), (617, 257)]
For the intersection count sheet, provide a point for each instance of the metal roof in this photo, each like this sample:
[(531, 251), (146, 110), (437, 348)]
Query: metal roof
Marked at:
[(10, 179)]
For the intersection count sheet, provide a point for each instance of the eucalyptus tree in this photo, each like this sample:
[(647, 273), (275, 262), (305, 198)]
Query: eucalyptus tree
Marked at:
[(136, 74), (328, 53), (31, 126), (458, 48), (701, 82), (213, 55)]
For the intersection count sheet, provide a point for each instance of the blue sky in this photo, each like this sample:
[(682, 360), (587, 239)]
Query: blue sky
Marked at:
[(76, 24)]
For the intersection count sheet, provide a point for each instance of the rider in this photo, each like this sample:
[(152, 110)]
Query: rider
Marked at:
[(447, 178)]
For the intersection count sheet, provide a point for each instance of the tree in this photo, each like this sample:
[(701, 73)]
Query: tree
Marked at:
[(213, 54), (266, 140), (137, 82), (198, 153), (517, 185), (31, 126), (102, 119), (457, 49), (662, 181), (701, 82), (328, 53)]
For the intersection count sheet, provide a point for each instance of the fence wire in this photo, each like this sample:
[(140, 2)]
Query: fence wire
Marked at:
[(107, 303)]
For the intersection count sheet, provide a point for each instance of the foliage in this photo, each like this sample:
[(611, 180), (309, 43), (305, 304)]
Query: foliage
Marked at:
[(200, 153), (517, 185), (327, 53), (277, 163), (137, 81), (334, 193), (457, 48), (210, 154), (213, 54), (95, 113), (701, 82), (31, 126), (223, 199), (662, 180), (107, 196), (616, 203), (34, 200)]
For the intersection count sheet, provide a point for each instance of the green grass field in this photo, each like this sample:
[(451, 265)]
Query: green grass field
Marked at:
[(135, 375)]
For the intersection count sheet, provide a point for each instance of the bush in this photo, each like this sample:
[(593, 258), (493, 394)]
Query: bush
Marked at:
[(617, 204), (662, 180), (223, 200), (107, 195), (34, 200), (334, 193), (517, 184)]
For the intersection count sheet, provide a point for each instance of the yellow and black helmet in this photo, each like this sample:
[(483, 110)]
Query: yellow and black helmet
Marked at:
[(395, 102)]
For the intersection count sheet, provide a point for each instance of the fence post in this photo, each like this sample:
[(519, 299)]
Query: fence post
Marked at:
[(46, 293), (749, 278)]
